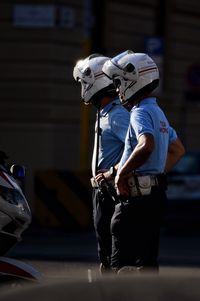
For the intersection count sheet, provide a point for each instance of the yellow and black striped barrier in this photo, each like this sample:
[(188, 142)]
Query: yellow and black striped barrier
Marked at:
[(63, 199)]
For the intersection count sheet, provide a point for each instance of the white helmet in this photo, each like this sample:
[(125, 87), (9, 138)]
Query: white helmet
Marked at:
[(131, 72), (94, 83)]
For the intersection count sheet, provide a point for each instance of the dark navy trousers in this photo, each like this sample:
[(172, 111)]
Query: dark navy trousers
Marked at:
[(103, 209), (135, 228)]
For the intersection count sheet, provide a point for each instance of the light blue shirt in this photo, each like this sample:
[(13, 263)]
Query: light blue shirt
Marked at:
[(147, 117), (114, 122)]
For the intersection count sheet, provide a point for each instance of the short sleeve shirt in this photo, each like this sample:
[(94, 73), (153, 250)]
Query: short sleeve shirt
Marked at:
[(114, 122), (148, 117)]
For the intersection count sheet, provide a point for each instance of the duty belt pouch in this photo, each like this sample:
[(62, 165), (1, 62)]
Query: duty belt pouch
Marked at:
[(139, 185)]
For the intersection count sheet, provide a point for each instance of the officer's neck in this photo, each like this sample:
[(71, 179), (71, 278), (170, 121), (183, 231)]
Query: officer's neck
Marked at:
[(137, 100), (105, 101)]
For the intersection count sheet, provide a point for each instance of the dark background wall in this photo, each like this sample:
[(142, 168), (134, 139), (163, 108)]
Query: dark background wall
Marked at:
[(43, 124)]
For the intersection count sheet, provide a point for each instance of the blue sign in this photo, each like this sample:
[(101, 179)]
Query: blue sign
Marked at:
[(154, 46), (193, 76), (34, 15)]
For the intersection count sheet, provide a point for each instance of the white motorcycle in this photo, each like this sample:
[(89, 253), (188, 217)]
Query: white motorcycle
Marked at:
[(15, 217)]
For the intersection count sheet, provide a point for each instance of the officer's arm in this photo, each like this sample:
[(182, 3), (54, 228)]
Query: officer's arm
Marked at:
[(175, 151), (140, 154)]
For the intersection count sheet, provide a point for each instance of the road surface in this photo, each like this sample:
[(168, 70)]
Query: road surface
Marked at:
[(68, 263)]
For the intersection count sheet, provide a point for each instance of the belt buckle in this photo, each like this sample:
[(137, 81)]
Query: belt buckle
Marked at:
[(94, 183)]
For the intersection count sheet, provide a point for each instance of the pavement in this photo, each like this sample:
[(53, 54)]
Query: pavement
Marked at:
[(46, 243), (177, 247), (57, 253)]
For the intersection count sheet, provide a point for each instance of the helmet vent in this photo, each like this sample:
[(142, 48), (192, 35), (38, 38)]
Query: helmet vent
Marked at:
[(87, 71), (129, 68)]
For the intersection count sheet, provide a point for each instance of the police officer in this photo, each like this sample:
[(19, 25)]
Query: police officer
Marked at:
[(110, 131), (152, 148)]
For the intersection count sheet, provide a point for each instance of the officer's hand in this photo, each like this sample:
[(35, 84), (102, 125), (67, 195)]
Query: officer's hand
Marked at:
[(121, 185), (102, 176)]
